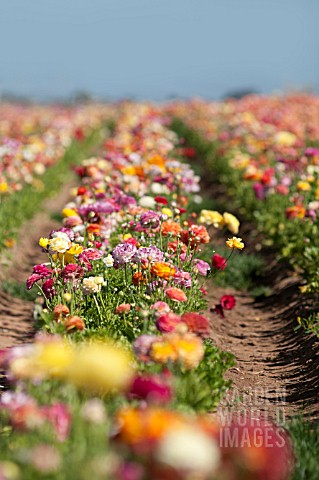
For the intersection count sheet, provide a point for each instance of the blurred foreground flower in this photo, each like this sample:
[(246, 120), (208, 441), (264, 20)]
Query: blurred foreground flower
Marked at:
[(98, 367)]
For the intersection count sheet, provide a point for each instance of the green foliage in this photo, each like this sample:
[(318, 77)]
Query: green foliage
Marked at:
[(305, 437)]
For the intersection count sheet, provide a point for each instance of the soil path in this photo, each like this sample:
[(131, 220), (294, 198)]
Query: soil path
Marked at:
[(16, 315), (277, 367)]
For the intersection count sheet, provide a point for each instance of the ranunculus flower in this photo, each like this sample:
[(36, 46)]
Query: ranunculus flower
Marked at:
[(168, 322), (219, 262), (163, 270), (176, 294), (60, 311), (150, 388), (160, 307), (74, 322), (49, 288), (196, 323), (123, 308), (202, 267), (228, 302)]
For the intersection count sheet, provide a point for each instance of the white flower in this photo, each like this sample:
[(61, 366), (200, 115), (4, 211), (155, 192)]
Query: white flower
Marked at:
[(60, 243), (147, 202), (189, 449), (92, 285), (108, 261)]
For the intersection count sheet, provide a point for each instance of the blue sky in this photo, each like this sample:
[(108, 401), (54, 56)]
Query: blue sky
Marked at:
[(156, 48)]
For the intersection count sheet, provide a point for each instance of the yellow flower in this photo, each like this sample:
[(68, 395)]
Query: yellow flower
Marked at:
[(235, 242), (231, 222), (167, 211), (303, 186), (211, 217), (44, 242), (101, 368), (285, 139), (76, 249), (3, 187), (69, 212)]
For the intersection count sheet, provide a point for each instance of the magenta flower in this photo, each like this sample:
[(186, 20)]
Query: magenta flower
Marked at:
[(150, 388), (72, 272), (42, 270), (150, 219), (49, 288), (34, 278), (228, 302)]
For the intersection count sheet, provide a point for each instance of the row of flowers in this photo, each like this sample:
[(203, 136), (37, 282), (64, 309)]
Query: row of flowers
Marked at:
[(124, 377), (33, 138), (271, 148)]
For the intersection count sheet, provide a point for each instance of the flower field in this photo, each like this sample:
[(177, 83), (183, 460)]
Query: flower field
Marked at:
[(123, 378)]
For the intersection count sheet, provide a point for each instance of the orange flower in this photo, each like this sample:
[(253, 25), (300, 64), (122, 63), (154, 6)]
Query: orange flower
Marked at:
[(297, 211), (139, 278), (195, 235), (176, 294), (74, 322), (185, 348), (138, 426), (170, 227), (163, 270), (93, 228)]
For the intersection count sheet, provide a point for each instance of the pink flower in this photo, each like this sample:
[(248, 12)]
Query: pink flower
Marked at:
[(176, 294), (202, 267), (183, 279), (168, 322), (60, 417), (160, 308), (228, 302)]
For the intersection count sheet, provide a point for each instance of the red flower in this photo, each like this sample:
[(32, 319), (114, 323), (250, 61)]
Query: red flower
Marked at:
[(196, 323), (218, 309), (228, 302), (218, 262), (161, 200)]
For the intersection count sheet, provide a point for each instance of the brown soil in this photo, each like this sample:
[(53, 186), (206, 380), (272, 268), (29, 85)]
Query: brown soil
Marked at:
[(16, 315)]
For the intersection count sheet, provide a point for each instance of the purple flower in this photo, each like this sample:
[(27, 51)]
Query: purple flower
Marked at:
[(152, 254), (123, 253), (202, 267)]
